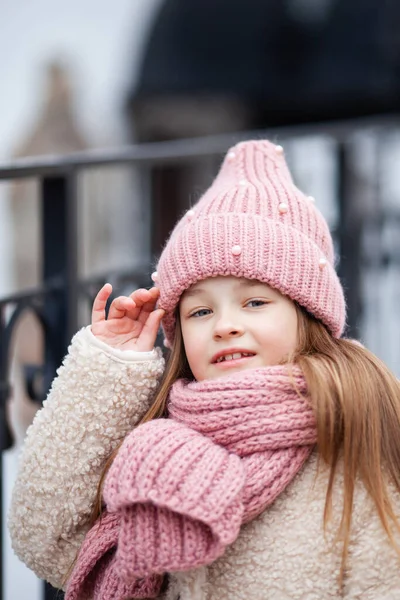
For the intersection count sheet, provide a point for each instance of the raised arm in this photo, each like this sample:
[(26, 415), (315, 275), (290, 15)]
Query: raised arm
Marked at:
[(101, 391)]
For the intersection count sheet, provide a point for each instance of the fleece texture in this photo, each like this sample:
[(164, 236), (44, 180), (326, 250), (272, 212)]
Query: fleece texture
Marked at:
[(99, 394), (280, 555)]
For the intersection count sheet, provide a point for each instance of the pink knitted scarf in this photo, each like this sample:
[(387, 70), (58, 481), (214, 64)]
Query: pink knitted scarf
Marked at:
[(180, 488)]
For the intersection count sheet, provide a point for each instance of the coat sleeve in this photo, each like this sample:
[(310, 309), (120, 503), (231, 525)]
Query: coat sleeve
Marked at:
[(374, 564), (99, 394)]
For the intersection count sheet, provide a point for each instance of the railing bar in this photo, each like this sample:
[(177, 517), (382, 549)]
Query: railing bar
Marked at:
[(159, 153), (72, 252), (31, 295)]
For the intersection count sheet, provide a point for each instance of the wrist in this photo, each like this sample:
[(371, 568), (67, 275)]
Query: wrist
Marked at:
[(117, 353)]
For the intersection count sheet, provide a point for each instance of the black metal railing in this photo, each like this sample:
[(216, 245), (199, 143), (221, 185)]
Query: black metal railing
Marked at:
[(55, 302)]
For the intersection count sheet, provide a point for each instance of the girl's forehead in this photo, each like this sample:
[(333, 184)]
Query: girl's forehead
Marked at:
[(229, 282)]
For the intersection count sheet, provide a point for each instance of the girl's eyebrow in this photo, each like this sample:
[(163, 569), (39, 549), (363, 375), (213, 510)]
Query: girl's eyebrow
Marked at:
[(250, 283), (199, 290), (193, 292)]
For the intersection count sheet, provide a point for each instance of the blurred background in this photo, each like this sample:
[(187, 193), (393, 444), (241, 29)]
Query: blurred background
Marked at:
[(185, 80)]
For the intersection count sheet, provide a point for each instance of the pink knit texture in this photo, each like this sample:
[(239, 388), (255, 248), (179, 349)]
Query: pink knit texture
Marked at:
[(280, 238), (261, 415), (95, 577), (180, 499), (180, 488)]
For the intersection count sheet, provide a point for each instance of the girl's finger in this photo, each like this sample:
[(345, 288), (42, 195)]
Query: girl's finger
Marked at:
[(120, 306), (99, 304), (142, 296), (154, 292), (150, 329), (139, 297), (149, 306)]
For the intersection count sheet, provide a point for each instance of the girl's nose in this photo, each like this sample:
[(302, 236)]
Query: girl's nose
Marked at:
[(225, 329)]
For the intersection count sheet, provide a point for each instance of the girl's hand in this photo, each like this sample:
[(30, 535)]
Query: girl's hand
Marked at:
[(133, 321)]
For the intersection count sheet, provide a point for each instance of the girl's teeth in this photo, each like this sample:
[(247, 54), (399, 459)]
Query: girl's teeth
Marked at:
[(234, 356)]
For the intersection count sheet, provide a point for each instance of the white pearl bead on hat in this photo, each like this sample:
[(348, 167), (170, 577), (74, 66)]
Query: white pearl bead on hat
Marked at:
[(243, 182), (154, 276), (166, 343), (190, 214), (279, 149), (231, 156), (236, 250), (322, 263), (283, 208), (311, 198)]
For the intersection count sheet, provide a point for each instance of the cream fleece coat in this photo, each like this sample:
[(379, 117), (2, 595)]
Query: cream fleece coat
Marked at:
[(97, 397)]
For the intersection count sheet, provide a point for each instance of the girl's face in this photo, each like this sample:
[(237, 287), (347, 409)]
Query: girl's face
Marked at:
[(230, 324)]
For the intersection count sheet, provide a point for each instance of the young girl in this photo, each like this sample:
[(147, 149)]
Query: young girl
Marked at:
[(264, 465)]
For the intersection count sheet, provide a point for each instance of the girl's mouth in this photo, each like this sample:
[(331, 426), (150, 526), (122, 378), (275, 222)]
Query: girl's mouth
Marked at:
[(234, 359)]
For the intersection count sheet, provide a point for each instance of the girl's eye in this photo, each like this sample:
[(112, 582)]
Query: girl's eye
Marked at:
[(255, 303), (202, 312)]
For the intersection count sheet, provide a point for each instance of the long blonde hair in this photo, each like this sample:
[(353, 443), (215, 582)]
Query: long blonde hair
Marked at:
[(356, 400)]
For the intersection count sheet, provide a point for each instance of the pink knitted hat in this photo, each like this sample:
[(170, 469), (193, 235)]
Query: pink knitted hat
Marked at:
[(253, 222)]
